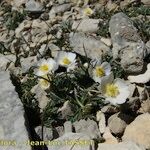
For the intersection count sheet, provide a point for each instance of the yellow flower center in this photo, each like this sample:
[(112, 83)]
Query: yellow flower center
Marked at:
[(88, 11), (66, 61), (112, 90), (100, 72), (44, 68)]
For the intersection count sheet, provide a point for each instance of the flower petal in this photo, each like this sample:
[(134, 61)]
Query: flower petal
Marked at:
[(71, 56), (106, 67), (106, 80)]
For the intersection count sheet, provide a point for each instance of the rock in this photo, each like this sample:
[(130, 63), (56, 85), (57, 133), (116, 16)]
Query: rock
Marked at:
[(107, 41), (148, 48), (58, 132), (120, 146), (118, 122), (47, 133), (100, 117), (94, 48), (6, 38), (109, 109), (88, 127), (125, 3), (139, 131), (41, 96), (6, 61), (111, 6), (25, 25), (59, 9), (17, 4), (109, 138), (54, 49), (145, 2), (72, 141), (37, 23), (12, 116), (33, 6), (68, 126), (145, 107), (42, 51), (65, 110), (148, 44), (86, 25), (34, 32), (127, 44), (27, 63)]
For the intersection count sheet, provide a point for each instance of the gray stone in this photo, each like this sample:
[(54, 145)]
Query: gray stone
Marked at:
[(33, 6), (93, 47), (146, 2), (118, 122), (47, 133), (68, 126), (41, 96), (88, 127), (139, 131), (59, 9), (127, 44), (54, 49), (58, 131), (27, 63), (72, 141), (12, 116), (120, 146), (109, 109), (148, 47), (6, 60), (86, 25)]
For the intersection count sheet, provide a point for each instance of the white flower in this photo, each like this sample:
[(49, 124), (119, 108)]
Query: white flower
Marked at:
[(46, 66), (87, 11), (66, 59), (100, 71), (44, 82), (115, 92)]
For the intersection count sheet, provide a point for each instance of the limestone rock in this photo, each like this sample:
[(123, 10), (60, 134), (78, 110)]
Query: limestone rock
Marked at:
[(68, 126), (146, 2), (145, 106), (86, 25), (118, 122), (58, 132), (6, 60), (33, 6), (47, 133), (12, 115), (41, 96), (65, 110), (139, 131), (109, 138), (109, 109), (88, 127), (27, 63), (59, 9), (120, 146), (101, 121), (127, 44), (94, 48)]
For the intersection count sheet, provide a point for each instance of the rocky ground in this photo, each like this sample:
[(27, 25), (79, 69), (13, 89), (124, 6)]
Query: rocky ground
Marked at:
[(75, 74)]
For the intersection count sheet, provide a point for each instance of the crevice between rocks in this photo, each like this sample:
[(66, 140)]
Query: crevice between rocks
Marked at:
[(31, 117)]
